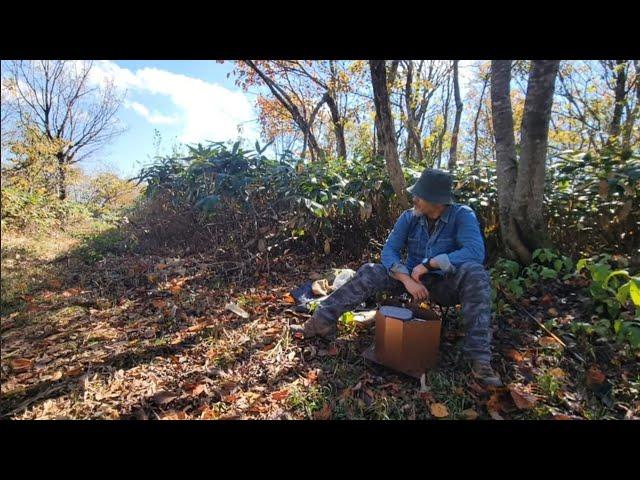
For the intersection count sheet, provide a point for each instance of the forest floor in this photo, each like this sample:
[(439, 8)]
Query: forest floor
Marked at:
[(87, 336)]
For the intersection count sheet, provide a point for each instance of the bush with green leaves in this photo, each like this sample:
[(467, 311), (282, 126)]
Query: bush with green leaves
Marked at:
[(616, 298), (511, 281), (593, 201), (323, 203), (342, 206), (477, 188), (24, 210)]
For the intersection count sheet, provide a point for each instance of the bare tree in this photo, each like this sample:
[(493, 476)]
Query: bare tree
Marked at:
[(485, 81), (7, 115), (287, 102), (445, 115), (453, 151), (422, 80), (600, 96), (386, 131), (58, 98)]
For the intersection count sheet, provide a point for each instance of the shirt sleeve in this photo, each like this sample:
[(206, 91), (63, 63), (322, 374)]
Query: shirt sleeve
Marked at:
[(397, 239), (469, 241)]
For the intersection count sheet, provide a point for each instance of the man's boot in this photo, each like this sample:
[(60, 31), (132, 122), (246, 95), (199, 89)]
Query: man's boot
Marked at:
[(315, 327), (482, 371)]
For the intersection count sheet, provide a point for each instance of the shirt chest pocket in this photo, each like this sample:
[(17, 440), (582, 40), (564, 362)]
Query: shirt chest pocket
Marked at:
[(444, 244), (416, 243)]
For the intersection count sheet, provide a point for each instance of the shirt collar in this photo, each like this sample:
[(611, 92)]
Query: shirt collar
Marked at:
[(446, 214)]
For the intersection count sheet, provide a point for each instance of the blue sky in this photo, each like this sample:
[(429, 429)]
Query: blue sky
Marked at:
[(185, 100)]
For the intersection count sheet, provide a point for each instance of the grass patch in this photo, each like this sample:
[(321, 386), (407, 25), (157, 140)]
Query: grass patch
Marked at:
[(308, 401)]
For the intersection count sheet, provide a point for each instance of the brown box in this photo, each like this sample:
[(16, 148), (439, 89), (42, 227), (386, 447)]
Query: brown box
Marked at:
[(408, 346)]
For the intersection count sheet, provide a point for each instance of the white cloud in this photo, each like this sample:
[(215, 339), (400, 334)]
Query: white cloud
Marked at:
[(209, 111), (155, 118)]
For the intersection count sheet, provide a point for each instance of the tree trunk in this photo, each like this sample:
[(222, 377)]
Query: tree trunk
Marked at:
[(413, 138), (62, 176), (444, 126), (631, 118), (620, 75), (506, 163), (475, 122), (338, 128), (453, 151), (375, 137), (386, 132), (526, 215)]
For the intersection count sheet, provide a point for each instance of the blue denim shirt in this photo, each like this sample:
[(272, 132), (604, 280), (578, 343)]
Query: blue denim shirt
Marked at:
[(456, 239)]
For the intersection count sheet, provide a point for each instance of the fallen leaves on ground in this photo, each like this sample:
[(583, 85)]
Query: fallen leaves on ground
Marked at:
[(323, 414), (114, 345), (20, 365), (163, 398), (494, 406), (523, 400), (439, 410), (469, 414), (595, 377), (280, 395), (557, 373), (548, 342), (514, 355)]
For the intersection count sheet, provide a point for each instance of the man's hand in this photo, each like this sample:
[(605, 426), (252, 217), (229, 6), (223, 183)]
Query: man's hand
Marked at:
[(417, 290), (418, 271)]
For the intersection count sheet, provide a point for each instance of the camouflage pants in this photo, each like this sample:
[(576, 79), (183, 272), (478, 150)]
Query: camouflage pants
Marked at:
[(468, 286)]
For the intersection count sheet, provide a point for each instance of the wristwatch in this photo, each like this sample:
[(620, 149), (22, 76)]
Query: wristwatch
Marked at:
[(426, 264)]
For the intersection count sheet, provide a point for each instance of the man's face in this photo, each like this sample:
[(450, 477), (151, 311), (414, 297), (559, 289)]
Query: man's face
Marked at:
[(428, 209)]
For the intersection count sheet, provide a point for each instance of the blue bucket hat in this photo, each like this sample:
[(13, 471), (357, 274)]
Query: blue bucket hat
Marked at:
[(434, 186)]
